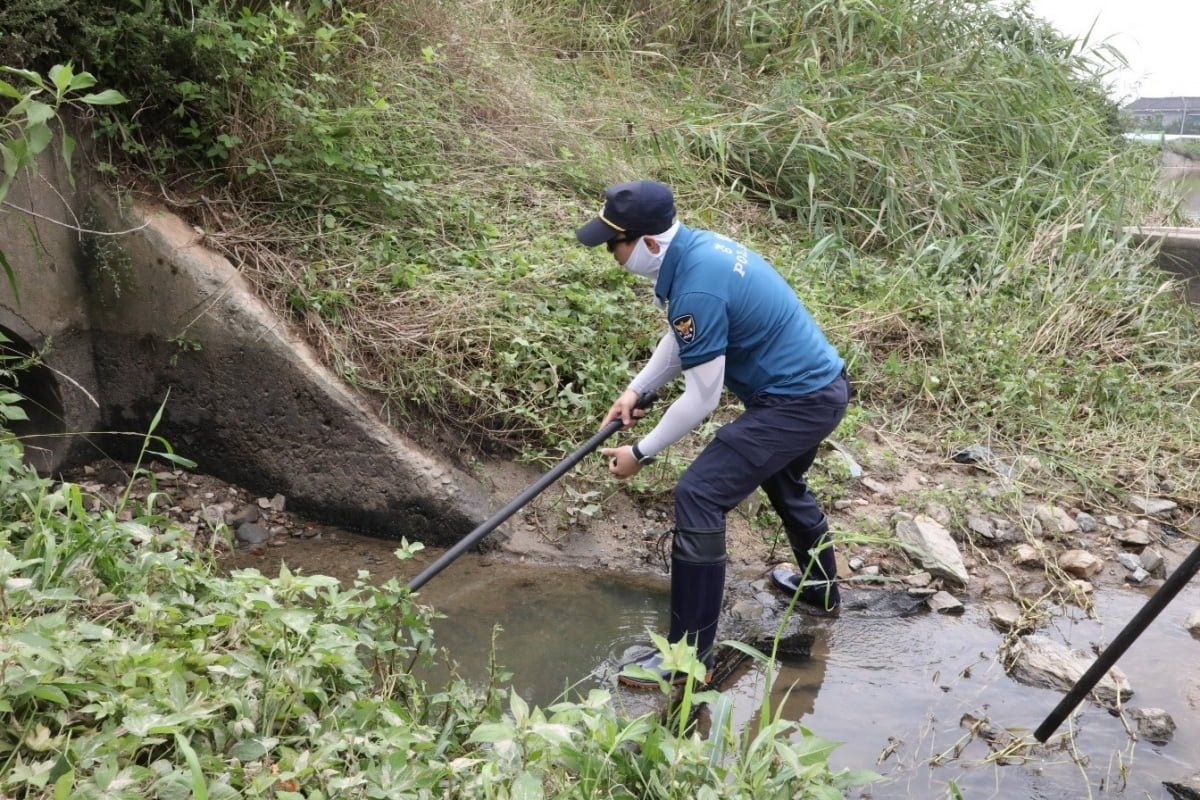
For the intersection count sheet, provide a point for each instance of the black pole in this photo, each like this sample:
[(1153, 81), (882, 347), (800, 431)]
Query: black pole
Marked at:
[(1132, 630), (514, 505)]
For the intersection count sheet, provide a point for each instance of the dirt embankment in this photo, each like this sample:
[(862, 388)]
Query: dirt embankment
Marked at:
[(1037, 549)]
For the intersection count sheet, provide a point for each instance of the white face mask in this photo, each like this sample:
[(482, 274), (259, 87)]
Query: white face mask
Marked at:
[(642, 262)]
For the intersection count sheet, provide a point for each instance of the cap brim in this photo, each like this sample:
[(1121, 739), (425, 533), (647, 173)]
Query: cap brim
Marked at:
[(595, 232)]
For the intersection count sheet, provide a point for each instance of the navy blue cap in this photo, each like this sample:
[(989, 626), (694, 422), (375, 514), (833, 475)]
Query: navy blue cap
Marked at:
[(643, 208)]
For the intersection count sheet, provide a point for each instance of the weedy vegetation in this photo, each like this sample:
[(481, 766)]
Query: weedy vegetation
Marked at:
[(944, 183), (134, 667), (946, 186)]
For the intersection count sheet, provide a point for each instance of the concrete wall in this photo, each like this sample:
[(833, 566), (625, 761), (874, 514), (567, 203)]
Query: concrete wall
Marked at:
[(49, 311), (153, 319), (1179, 253)]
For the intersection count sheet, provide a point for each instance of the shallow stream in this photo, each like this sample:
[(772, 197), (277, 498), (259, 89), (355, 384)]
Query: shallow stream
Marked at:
[(891, 690)]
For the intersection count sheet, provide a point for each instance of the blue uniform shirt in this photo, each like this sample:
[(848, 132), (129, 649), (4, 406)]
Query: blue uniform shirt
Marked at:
[(724, 299)]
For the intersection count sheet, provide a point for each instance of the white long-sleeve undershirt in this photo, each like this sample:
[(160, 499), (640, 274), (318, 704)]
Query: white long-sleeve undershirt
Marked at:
[(662, 367), (701, 394)]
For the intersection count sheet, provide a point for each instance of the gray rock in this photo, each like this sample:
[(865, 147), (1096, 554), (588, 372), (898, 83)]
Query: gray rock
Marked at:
[(851, 465), (252, 533), (1005, 615), (878, 487), (240, 517), (1129, 561), (1152, 562), (1192, 623), (1086, 522), (1055, 521), (938, 511), (1152, 505), (747, 609), (981, 526), (919, 580), (983, 457), (1133, 537), (1040, 661), (1154, 724), (945, 603), (931, 544), (1139, 576), (1113, 521), (1187, 789), (1080, 563), (278, 502), (1026, 555)]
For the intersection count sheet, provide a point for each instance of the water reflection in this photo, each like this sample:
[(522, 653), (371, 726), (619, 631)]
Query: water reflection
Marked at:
[(1189, 186)]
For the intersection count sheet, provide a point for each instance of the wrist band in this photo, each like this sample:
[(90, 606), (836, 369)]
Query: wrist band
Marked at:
[(638, 457)]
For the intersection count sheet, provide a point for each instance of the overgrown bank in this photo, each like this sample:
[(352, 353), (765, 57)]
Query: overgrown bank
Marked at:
[(945, 186)]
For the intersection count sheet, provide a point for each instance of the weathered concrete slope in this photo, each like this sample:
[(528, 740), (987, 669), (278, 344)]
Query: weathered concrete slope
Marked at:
[(160, 321)]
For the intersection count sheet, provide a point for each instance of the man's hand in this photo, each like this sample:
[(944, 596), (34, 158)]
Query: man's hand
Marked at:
[(624, 410), (621, 462)]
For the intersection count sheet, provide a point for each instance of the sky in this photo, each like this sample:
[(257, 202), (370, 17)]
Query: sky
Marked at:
[(1159, 38)]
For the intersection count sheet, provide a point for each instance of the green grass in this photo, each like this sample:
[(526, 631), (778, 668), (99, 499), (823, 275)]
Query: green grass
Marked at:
[(134, 668)]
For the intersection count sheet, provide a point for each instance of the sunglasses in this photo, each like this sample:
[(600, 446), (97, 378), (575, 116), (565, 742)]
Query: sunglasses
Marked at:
[(611, 244)]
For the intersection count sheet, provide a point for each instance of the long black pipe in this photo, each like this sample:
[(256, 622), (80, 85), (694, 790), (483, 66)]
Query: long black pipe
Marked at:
[(514, 505), (1132, 630)]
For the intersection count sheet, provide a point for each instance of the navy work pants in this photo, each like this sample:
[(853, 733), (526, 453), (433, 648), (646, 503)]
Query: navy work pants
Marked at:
[(772, 445)]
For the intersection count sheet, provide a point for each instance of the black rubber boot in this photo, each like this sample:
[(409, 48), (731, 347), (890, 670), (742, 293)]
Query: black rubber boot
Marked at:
[(697, 587), (814, 576)]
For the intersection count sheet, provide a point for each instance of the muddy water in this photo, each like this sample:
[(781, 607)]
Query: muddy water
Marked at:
[(892, 691)]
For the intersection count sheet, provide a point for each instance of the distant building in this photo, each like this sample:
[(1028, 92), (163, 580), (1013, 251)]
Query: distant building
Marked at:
[(1165, 114)]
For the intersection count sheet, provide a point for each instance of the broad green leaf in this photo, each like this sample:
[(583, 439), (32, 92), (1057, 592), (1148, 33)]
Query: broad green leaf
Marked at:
[(109, 97), (8, 90), (64, 785), (32, 77), (60, 75), (553, 732), (520, 709), (10, 160), (493, 732), (14, 412), (38, 136), (37, 114), (814, 749), (248, 750), (84, 80), (298, 619), (527, 787), (46, 691), (33, 640)]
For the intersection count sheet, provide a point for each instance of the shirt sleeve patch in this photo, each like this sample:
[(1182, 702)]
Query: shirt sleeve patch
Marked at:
[(685, 327)]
